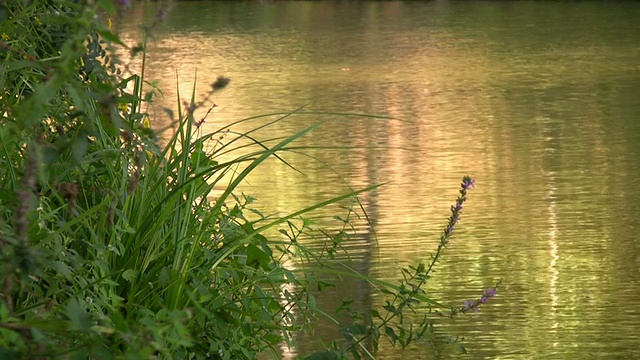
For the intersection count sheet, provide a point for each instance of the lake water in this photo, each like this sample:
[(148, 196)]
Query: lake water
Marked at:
[(538, 101)]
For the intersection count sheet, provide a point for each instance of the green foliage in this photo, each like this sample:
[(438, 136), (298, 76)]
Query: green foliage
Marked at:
[(112, 247)]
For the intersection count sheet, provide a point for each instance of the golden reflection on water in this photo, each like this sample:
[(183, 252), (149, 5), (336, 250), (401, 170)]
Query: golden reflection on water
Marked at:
[(541, 115), (553, 252)]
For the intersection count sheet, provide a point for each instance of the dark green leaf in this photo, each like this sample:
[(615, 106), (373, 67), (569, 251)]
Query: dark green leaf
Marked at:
[(284, 232), (386, 291), (345, 305), (323, 285), (111, 37), (390, 308), (391, 334), (257, 258), (374, 313)]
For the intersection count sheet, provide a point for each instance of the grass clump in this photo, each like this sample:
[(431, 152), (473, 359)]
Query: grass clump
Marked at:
[(112, 247)]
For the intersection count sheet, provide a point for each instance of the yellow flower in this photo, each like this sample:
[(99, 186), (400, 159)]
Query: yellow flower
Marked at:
[(6, 37), (146, 123), (37, 20), (124, 107)]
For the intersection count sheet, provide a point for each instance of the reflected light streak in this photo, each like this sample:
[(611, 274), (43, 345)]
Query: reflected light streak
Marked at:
[(553, 253)]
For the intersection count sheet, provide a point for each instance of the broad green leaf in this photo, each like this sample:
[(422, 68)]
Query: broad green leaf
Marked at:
[(130, 275), (257, 258), (78, 316)]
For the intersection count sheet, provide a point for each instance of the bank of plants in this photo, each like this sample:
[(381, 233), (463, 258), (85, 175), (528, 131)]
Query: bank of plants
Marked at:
[(116, 245)]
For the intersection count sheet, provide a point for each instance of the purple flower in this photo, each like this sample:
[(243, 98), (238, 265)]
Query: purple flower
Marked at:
[(475, 304), (468, 182), (470, 304), (490, 292), (456, 209)]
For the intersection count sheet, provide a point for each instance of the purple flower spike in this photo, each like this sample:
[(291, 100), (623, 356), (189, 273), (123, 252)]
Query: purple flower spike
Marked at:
[(456, 209), (475, 304), (490, 292)]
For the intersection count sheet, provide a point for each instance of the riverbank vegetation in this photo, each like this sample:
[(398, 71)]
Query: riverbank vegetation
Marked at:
[(115, 247)]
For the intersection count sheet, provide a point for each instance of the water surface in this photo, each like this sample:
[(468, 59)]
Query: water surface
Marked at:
[(537, 101)]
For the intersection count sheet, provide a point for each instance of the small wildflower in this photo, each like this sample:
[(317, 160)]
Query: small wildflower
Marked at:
[(470, 304), (6, 37), (490, 292), (37, 20), (146, 122), (124, 107), (468, 182), (475, 304), (457, 208)]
